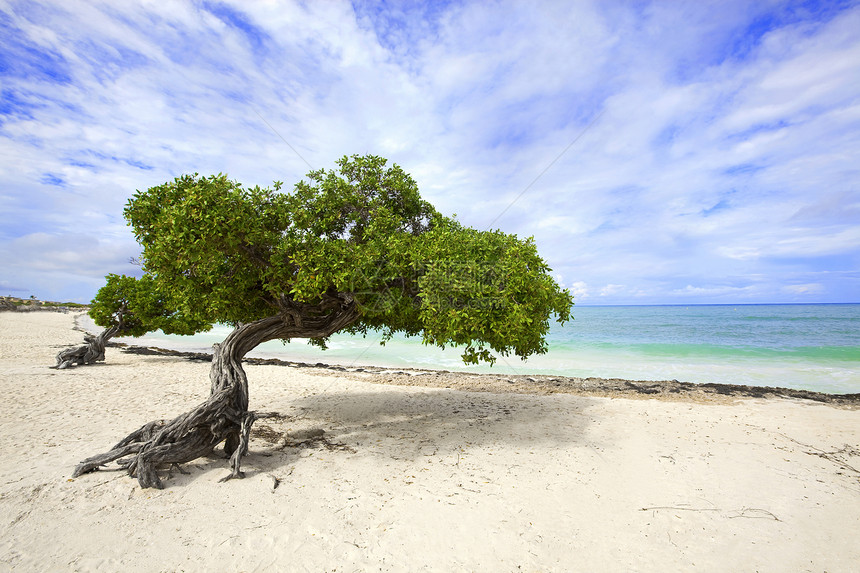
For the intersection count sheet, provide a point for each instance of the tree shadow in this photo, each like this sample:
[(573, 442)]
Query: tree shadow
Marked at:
[(411, 425), (400, 426)]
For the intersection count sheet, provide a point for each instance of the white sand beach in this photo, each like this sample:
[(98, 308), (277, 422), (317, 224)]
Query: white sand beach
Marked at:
[(356, 475)]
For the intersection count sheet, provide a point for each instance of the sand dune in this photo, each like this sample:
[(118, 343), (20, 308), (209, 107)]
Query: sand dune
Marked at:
[(359, 476)]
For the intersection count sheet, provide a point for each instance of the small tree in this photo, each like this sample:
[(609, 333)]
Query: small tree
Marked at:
[(126, 306), (351, 250)]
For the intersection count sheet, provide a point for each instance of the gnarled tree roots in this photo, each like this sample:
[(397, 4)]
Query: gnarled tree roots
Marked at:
[(224, 417), (183, 439), (93, 350)]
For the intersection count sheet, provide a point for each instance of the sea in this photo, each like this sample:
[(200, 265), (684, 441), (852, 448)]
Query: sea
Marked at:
[(802, 346)]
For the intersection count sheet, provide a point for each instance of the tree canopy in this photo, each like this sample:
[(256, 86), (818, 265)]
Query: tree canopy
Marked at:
[(215, 251)]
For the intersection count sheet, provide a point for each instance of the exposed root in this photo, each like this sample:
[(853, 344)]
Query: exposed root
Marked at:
[(183, 439), (92, 351), (224, 417)]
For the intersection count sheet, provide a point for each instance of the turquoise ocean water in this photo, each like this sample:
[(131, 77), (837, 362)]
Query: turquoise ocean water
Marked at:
[(809, 346)]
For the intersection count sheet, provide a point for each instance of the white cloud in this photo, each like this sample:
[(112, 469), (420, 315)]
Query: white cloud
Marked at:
[(611, 289), (805, 289), (715, 292), (579, 290)]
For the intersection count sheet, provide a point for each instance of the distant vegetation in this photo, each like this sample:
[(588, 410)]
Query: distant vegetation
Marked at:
[(32, 303)]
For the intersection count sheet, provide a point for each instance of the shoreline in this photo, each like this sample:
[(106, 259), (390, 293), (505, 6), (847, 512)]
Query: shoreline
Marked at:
[(526, 383), (727, 375), (832, 371), (530, 384)]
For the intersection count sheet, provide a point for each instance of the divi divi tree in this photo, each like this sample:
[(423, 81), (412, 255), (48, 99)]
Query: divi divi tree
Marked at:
[(127, 306), (350, 249)]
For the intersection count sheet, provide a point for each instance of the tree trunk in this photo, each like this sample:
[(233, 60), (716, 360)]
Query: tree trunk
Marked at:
[(224, 416), (93, 349)]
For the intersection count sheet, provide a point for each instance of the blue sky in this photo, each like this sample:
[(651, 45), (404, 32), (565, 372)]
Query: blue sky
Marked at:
[(659, 152)]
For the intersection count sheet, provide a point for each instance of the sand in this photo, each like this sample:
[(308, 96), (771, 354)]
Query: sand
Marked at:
[(356, 475)]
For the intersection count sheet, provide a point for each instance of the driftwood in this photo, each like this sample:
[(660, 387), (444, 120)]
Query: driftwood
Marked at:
[(224, 416), (92, 351)]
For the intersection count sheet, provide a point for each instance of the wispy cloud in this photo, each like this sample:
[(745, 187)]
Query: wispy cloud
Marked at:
[(721, 167)]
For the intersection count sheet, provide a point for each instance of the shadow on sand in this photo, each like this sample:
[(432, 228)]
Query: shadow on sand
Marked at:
[(401, 425)]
